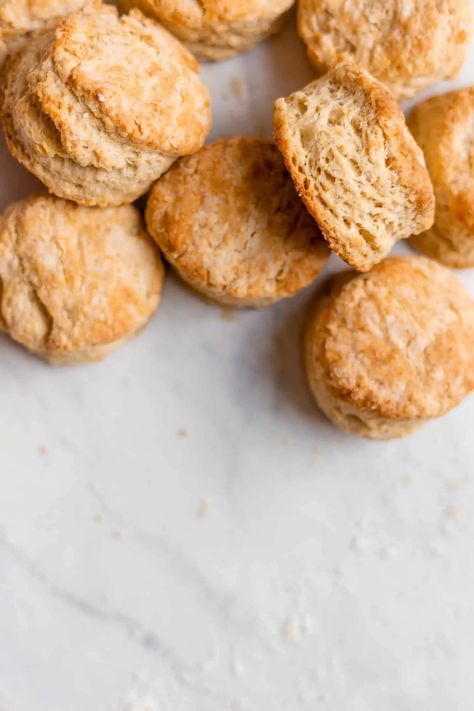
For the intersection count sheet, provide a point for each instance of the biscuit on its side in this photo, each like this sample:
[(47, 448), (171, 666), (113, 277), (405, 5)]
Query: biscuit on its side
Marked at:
[(75, 282), (406, 45), (99, 107), (388, 350), (20, 17), (216, 29), (229, 220), (355, 164), (444, 128)]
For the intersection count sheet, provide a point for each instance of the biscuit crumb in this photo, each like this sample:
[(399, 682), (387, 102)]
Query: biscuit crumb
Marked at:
[(98, 518), (182, 433), (228, 314), (293, 629), (407, 479), (203, 509), (117, 535), (359, 544), (453, 512), (238, 88), (43, 449)]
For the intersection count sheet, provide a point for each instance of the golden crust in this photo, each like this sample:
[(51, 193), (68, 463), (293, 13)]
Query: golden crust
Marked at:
[(387, 350), (19, 17), (355, 164), (216, 29), (407, 46), (444, 128), (229, 220), (72, 110), (75, 282)]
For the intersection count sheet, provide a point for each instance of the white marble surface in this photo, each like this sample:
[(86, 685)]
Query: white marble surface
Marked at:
[(182, 531)]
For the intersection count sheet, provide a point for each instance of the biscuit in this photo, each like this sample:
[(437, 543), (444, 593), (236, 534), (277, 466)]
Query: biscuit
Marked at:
[(444, 128), (388, 350), (100, 107), (19, 17), (75, 282), (229, 220), (355, 164), (406, 45), (216, 29)]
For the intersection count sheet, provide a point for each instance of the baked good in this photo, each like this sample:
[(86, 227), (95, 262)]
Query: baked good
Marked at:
[(406, 45), (19, 17), (216, 29), (229, 220), (75, 282), (388, 350), (444, 128), (355, 164), (100, 107)]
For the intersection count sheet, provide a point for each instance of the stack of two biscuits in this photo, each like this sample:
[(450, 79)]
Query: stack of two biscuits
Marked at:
[(97, 107)]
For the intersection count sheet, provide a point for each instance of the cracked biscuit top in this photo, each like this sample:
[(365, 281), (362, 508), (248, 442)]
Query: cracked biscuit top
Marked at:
[(75, 280), (18, 17), (216, 29), (406, 44), (395, 343), (230, 221)]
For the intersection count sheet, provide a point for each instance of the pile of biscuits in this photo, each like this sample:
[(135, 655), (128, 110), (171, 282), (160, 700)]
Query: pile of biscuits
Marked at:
[(105, 105)]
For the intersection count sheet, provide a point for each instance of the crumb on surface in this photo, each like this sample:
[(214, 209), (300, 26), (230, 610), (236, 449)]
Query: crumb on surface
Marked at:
[(228, 314), (453, 512), (360, 544), (407, 479), (293, 629), (203, 508), (98, 518), (238, 88), (182, 433), (43, 449), (117, 535)]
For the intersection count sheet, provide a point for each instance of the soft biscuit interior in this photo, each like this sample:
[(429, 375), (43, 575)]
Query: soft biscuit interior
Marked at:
[(344, 167)]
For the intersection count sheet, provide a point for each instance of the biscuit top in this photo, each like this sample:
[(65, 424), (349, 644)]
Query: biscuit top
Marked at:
[(20, 16), (134, 76), (73, 277), (399, 41), (398, 341), (229, 218), (444, 128), (195, 15)]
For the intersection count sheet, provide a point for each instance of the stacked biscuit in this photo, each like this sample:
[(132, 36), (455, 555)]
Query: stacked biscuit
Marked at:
[(99, 106)]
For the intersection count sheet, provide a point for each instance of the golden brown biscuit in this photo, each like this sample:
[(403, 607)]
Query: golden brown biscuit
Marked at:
[(100, 107), (19, 17), (388, 350), (216, 29), (444, 128), (406, 45), (230, 222), (75, 282), (355, 164)]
